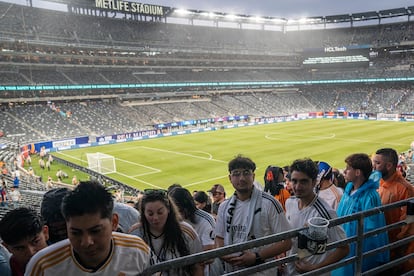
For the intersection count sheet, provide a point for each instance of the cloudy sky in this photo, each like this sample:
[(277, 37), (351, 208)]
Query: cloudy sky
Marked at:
[(291, 9)]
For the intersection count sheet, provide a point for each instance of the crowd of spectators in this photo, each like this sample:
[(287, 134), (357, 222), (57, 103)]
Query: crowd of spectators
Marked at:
[(97, 50), (42, 122), (41, 24), (44, 47), (258, 55)]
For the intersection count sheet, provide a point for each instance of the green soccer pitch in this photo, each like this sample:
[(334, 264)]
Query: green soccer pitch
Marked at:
[(199, 160)]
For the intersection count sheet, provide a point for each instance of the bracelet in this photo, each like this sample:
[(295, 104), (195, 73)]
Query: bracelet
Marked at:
[(259, 259)]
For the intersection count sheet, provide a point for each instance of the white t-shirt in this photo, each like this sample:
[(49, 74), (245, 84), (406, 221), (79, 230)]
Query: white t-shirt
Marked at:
[(331, 195), (299, 218), (14, 195), (130, 256), (269, 220)]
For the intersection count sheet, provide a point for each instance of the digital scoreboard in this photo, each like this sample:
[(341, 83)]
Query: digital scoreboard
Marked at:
[(335, 57)]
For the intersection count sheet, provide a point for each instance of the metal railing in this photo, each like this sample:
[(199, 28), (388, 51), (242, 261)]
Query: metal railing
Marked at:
[(357, 259)]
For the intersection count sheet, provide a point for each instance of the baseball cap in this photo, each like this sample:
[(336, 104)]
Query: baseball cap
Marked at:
[(324, 171), (217, 188)]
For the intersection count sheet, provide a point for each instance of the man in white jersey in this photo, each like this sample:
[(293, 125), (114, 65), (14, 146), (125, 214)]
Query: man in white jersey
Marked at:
[(249, 214), (92, 248), (305, 204), (325, 187)]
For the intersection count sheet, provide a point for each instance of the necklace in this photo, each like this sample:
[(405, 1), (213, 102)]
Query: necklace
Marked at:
[(155, 236), (303, 205)]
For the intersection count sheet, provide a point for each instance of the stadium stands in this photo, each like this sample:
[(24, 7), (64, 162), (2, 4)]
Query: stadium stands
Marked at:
[(43, 47)]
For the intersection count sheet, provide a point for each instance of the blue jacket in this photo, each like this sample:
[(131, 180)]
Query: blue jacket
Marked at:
[(5, 269), (365, 198)]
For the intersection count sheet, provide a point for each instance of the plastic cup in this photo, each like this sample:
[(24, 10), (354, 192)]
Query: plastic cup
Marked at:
[(318, 228)]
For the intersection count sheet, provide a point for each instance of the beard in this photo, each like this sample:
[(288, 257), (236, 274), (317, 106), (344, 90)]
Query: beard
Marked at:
[(385, 174)]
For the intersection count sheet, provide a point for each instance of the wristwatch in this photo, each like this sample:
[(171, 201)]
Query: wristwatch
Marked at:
[(259, 259)]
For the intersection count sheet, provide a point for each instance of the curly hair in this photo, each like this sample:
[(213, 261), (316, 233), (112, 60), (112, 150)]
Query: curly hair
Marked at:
[(306, 166)]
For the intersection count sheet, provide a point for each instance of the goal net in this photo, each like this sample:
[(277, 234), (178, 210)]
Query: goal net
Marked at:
[(101, 162)]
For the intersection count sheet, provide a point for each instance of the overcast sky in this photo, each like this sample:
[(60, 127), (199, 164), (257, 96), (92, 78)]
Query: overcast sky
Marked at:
[(290, 9)]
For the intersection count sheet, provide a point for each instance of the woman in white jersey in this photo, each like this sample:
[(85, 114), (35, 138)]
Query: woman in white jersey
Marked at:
[(203, 223), (167, 236)]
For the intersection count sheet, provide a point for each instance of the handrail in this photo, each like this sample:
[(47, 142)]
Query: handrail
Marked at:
[(206, 255)]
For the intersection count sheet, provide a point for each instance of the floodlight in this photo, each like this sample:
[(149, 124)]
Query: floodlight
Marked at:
[(231, 16), (182, 11), (257, 18), (278, 20)]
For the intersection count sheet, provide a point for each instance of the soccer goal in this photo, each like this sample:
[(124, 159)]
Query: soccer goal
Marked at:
[(101, 162)]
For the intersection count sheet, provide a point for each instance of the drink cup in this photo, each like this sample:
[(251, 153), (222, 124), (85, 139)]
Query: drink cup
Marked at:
[(318, 228)]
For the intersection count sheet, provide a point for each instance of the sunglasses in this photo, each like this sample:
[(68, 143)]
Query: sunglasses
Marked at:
[(161, 192)]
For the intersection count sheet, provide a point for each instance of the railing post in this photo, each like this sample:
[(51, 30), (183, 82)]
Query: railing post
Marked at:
[(359, 245)]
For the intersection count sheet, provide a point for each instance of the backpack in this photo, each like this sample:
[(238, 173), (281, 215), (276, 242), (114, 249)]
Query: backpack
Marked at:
[(271, 180)]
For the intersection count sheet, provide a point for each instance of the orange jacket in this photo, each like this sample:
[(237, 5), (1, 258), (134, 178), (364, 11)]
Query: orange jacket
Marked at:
[(395, 189), (282, 196)]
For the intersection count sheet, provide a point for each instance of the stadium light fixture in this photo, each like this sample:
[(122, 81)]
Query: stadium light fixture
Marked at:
[(209, 14), (182, 12), (279, 20), (232, 16), (292, 21), (257, 19)]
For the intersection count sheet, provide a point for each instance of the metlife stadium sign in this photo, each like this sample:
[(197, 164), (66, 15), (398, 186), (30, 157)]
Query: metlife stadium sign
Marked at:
[(132, 7)]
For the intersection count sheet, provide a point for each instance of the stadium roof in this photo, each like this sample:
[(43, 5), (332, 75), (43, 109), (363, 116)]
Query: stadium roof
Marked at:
[(193, 14)]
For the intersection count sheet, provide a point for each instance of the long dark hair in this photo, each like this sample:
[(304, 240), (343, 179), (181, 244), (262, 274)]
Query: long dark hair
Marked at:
[(185, 203), (173, 235)]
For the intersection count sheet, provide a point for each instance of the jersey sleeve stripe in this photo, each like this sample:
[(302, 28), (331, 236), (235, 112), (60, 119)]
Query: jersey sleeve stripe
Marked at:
[(49, 259), (275, 203), (320, 207), (189, 232)]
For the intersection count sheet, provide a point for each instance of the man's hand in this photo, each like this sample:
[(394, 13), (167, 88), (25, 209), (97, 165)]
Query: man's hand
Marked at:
[(303, 266), (244, 259)]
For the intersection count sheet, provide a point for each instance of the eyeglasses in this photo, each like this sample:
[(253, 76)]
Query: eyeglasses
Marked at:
[(161, 192), (245, 173)]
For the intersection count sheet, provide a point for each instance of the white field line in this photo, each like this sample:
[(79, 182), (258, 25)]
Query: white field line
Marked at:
[(147, 173), (204, 181), (211, 179), (210, 156), (72, 157), (122, 174), (286, 137), (193, 156), (140, 165), (185, 154), (139, 180)]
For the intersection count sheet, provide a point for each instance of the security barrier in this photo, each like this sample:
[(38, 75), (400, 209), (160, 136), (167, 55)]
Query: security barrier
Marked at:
[(357, 259)]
